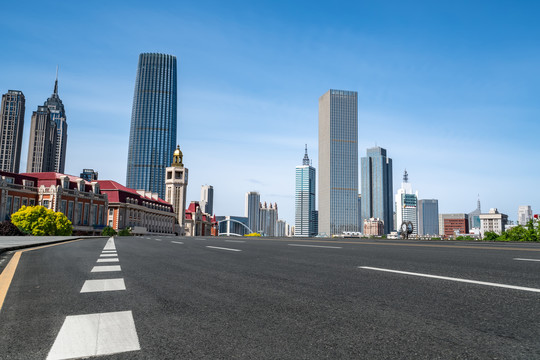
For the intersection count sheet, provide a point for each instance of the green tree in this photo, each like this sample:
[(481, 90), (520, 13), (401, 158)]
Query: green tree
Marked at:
[(39, 221), (491, 236), (108, 231), (125, 232)]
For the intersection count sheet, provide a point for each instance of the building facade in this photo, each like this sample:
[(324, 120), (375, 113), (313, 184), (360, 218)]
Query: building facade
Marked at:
[(338, 162), (453, 224), (428, 217), (252, 210), (11, 130), (82, 202), (42, 145), (16, 191), (493, 222), (199, 223), (305, 214), (524, 214), (89, 175), (377, 187), (143, 212), (176, 182), (407, 205), (152, 136), (58, 116), (207, 199), (268, 217), (373, 227)]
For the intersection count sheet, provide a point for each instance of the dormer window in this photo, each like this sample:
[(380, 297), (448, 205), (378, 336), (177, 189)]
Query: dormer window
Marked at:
[(65, 182)]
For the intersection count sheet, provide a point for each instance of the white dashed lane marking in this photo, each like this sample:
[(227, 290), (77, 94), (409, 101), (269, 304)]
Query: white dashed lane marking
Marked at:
[(177, 242), (95, 334), (222, 248), (107, 260), (108, 255), (521, 259), (317, 246), (453, 279), (103, 285), (106, 268)]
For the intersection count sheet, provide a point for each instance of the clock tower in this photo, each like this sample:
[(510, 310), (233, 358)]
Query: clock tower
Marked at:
[(176, 181)]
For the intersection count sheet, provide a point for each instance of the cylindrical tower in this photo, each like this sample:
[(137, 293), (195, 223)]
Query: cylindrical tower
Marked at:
[(152, 137)]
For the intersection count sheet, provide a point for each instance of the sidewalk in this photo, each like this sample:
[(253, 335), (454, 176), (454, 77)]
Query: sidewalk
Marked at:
[(9, 243)]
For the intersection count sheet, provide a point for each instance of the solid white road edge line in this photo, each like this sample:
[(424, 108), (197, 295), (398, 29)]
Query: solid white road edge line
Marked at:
[(95, 334), (222, 248), (521, 259), (453, 279), (317, 246)]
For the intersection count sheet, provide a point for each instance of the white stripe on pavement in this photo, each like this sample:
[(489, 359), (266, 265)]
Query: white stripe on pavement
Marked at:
[(108, 255), (110, 244), (236, 241), (95, 334), (107, 260), (105, 268), (521, 259), (222, 248), (177, 242), (109, 251), (157, 239), (317, 246), (103, 285), (453, 279)]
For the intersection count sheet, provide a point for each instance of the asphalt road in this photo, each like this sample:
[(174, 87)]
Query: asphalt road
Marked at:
[(241, 298)]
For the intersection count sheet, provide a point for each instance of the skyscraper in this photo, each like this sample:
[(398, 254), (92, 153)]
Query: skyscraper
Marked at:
[(406, 205), (253, 202), (428, 217), (377, 188), (11, 130), (207, 199), (152, 136), (338, 162), (58, 115), (524, 214), (42, 145), (305, 220), (268, 217), (474, 216)]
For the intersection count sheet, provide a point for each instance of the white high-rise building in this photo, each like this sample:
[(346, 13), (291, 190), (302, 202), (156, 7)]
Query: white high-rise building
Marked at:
[(176, 181), (524, 214), (268, 219), (305, 215), (207, 199), (253, 202), (406, 205)]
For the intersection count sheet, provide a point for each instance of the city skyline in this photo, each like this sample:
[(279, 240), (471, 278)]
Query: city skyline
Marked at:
[(464, 90)]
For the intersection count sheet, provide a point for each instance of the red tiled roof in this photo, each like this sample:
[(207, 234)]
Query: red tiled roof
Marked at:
[(118, 193)]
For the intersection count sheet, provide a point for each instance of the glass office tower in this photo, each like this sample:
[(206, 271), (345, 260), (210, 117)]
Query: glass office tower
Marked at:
[(58, 115), (152, 138), (338, 162), (305, 223), (428, 217), (11, 130), (377, 188)]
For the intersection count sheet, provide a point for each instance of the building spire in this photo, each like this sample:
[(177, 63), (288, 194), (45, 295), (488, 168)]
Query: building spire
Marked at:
[(405, 177), (56, 83), (306, 158)]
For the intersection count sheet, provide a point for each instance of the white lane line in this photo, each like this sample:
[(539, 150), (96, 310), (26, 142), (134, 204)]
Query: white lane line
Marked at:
[(95, 334), (157, 239), (521, 259), (222, 248), (453, 279), (108, 255), (107, 260), (103, 285), (177, 242), (109, 251), (110, 244), (105, 268), (317, 246), (236, 241)]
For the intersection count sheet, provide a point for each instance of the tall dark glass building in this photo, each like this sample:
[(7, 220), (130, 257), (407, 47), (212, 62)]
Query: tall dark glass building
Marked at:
[(58, 115), (11, 130), (377, 189), (152, 138)]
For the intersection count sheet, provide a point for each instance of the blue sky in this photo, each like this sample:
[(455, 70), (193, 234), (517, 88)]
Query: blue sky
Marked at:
[(450, 89)]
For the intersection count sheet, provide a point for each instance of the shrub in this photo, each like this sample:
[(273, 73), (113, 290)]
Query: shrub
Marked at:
[(108, 231), (39, 221), (125, 232), (8, 229)]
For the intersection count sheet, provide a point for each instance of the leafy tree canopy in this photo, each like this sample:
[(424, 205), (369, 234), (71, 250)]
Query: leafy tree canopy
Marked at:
[(39, 221)]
